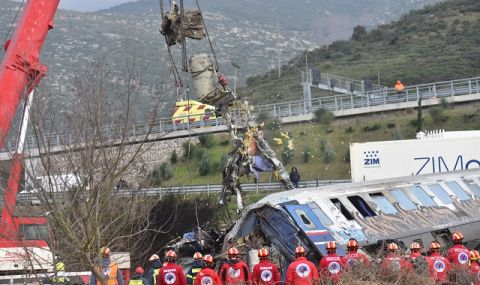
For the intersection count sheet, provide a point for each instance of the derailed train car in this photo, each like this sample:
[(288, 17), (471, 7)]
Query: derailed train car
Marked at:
[(408, 209)]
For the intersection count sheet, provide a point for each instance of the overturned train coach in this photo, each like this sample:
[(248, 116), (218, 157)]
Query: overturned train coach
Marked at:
[(408, 209)]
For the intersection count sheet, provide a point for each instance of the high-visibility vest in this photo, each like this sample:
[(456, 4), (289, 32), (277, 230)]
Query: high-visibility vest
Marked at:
[(155, 274), (110, 274), (135, 282), (194, 274)]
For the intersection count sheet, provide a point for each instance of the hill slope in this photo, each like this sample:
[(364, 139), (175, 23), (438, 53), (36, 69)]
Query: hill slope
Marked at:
[(436, 43)]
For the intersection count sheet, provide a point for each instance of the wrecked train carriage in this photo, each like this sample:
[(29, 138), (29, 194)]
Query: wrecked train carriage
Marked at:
[(408, 209)]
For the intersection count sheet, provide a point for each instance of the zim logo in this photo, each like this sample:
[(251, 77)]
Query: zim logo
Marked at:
[(371, 158)]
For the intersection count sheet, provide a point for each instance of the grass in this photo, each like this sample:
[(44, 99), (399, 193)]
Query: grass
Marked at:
[(374, 127)]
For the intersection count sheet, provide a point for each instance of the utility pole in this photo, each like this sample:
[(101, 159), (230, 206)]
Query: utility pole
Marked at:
[(235, 77)]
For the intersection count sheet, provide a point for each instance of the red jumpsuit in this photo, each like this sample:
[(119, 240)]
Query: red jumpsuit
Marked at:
[(414, 255), (234, 272), (171, 274), (458, 255), (438, 267), (475, 268), (265, 273), (331, 267), (207, 276), (301, 272), (353, 258), (394, 262)]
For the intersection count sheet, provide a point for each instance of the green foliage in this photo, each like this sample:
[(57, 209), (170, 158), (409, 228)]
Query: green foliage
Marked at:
[(200, 152), (372, 128), (436, 113), (287, 154), (173, 157), (306, 154), (262, 117), (346, 155), (225, 142), (188, 149), (391, 125), (166, 171), (323, 116), (273, 125), (359, 33), (160, 173), (349, 130), (327, 151), (419, 123), (204, 165), (206, 140)]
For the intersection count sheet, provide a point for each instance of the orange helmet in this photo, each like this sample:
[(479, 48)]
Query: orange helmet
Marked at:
[(171, 254), (392, 246), (299, 250), (154, 257), (197, 256), (434, 246), (457, 237), (331, 245), (474, 255), (415, 247), (352, 244), (105, 251), (208, 259), (139, 270), (233, 252), (263, 252)]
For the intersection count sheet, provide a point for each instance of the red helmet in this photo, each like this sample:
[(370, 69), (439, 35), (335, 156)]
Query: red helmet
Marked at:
[(139, 270), (197, 256), (105, 251), (263, 252), (457, 237), (208, 259), (154, 257), (434, 246), (392, 246), (474, 255), (415, 247), (352, 244), (171, 254), (299, 250), (233, 252), (331, 245)]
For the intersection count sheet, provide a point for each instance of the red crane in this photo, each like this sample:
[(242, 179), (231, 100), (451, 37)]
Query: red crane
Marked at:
[(20, 73)]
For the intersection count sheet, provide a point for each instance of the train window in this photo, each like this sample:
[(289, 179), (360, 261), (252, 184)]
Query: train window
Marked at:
[(361, 206), (458, 190), (305, 218), (34, 232), (440, 193), (342, 209), (324, 219), (473, 187), (422, 197), (403, 200), (383, 203)]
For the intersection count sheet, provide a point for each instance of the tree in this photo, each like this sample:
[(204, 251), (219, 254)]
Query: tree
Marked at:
[(359, 33), (419, 116)]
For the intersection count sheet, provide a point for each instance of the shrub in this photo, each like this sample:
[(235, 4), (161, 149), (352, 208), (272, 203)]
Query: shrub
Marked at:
[(323, 116), (436, 113), (204, 165), (199, 153), (346, 155), (287, 154), (306, 154), (166, 171), (206, 140), (173, 157), (349, 130), (188, 149), (329, 130), (391, 125), (327, 151), (372, 128), (262, 117), (273, 125), (225, 142)]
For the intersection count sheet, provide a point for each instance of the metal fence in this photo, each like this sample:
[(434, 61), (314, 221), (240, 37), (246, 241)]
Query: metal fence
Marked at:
[(382, 97)]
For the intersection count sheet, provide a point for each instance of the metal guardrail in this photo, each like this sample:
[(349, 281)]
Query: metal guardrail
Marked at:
[(382, 97), (336, 83), (190, 189)]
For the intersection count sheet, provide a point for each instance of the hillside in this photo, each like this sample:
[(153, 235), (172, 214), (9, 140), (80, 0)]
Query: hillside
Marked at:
[(439, 42)]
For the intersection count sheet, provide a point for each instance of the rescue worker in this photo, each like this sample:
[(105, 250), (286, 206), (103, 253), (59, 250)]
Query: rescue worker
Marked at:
[(138, 278), (265, 272), (107, 268), (458, 254), (301, 271), (416, 259), (59, 277), (171, 273), (234, 271), (393, 263), (415, 250), (197, 265), (399, 87), (353, 258), (438, 266), (155, 265), (475, 266), (207, 276), (331, 265)]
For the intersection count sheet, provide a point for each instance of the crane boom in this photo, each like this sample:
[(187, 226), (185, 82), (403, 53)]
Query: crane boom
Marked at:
[(21, 69)]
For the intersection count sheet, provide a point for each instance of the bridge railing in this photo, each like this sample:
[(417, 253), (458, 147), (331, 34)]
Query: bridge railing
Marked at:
[(384, 97)]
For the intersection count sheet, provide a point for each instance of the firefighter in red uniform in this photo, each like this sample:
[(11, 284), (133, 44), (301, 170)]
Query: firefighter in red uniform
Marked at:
[(331, 265), (475, 266), (353, 258), (301, 271), (458, 255), (393, 263), (207, 276), (234, 271), (266, 272), (438, 266), (171, 273), (415, 250)]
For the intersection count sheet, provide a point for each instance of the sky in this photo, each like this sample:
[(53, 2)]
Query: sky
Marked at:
[(89, 5)]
